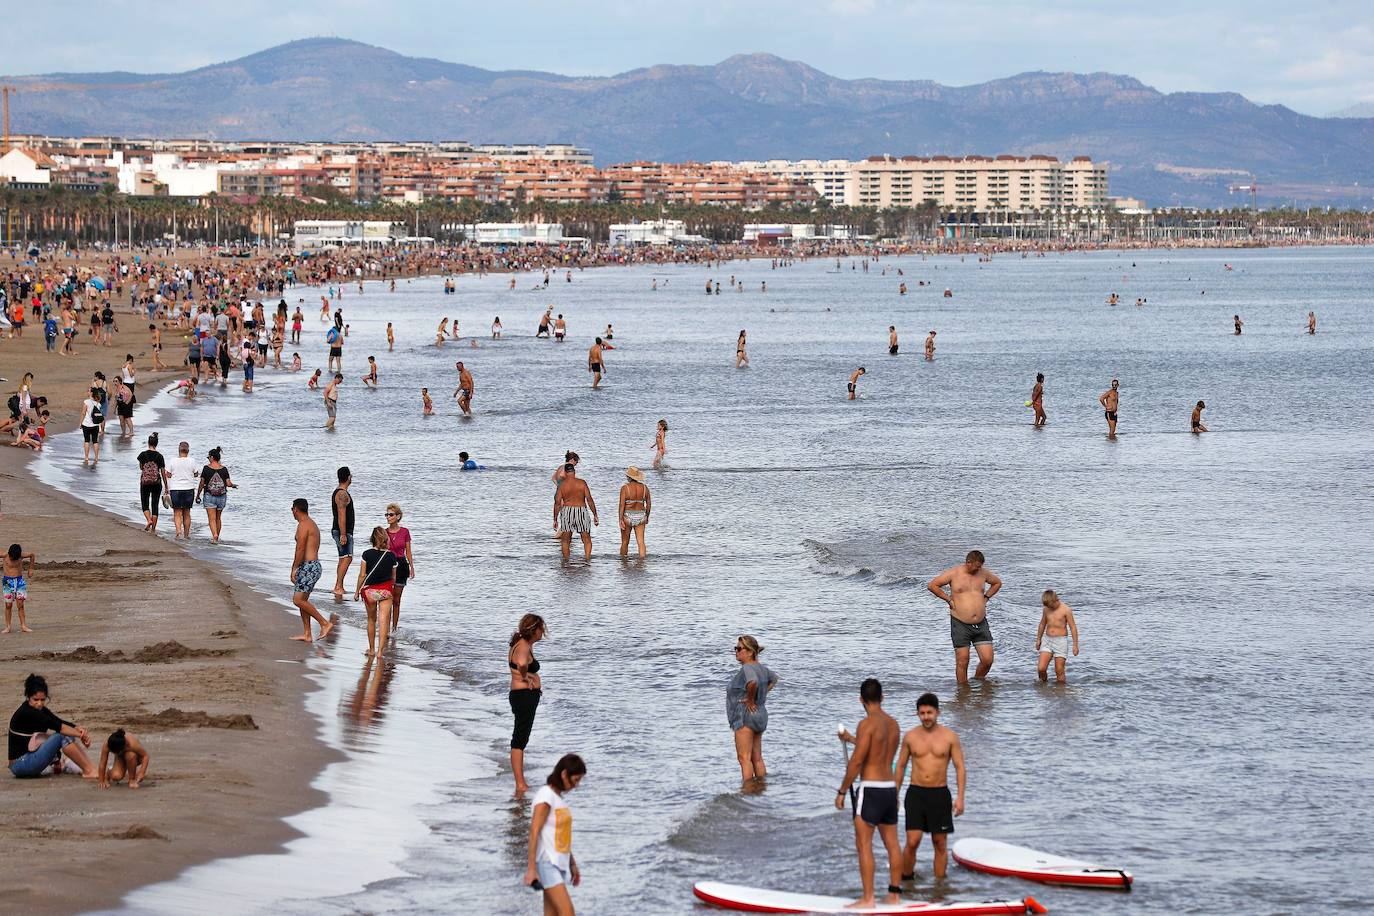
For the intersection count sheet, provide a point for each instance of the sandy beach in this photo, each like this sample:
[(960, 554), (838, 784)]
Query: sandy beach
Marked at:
[(132, 631)]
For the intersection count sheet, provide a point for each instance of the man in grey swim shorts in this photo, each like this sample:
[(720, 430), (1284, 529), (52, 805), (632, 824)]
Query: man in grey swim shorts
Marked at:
[(970, 587)]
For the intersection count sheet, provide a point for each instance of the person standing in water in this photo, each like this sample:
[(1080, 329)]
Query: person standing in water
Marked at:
[(376, 580), (970, 587), (930, 748), (1311, 322), (466, 385), (1038, 400), (745, 699), (854, 382), (1056, 623), (305, 570), (595, 364), (930, 346), (1238, 323), (741, 351), (574, 510), (892, 334), (660, 445), (635, 505), (331, 400), (341, 529), (525, 691), (398, 542), (875, 804), (1110, 401), (1197, 418), (551, 866), (152, 476)]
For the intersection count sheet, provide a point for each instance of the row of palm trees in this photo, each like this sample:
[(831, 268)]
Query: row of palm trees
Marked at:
[(59, 214)]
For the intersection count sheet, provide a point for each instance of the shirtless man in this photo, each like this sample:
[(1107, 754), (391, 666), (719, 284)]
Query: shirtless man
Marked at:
[(875, 804), (970, 587), (560, 328), (305, 569), (465, 388), (594, 362), (931, 748), (1197, 417), (574, 510), (331, 399), (1056, 623), (892, 334), (1038, 399), (544, 322), (930, 346), (1110, 400), (854, 382)]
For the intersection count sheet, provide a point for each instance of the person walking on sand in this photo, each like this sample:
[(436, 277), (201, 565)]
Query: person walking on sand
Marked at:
[(331, 400), (551, 865), (635, 505), (854, 382), (181, 476), (892, 333), (398, 542), (574, 511), (39, 738), (305, 570), (660, 445), (1038, 400), (595, 363), (741, 351), (1056, 623), (525, 691), (1197, 417), (466, 385), (875, 803), (746, 696), (213, 491), (152, 475), (930, 748), (1110, 401), (341, 527), (18, 570), (970, 587), (376, 582)]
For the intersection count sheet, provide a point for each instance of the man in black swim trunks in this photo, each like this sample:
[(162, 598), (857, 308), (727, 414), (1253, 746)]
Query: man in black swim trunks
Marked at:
[(1110, 400), (875, 803), (931, 748)]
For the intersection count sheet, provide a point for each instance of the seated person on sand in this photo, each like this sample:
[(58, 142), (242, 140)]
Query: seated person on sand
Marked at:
[(33, 750), (130, 759)]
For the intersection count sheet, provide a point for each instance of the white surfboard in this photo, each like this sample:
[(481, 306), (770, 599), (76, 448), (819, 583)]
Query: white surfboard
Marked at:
[(756, 900), (997, 858)]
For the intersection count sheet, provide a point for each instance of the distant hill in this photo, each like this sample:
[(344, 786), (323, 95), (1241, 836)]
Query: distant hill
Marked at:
[(1171, 149)]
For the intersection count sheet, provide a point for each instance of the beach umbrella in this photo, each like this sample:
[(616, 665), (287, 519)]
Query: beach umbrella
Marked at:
[(97, 283)]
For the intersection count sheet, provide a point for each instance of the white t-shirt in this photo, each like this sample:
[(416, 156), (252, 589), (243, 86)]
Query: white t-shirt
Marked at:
[(185, 473), (555, 838), (87, 406)]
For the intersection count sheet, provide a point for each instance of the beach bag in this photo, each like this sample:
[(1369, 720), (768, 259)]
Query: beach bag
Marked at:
[(166, 499), (333, 336), (148, 473), (215, 485), (97, 416)]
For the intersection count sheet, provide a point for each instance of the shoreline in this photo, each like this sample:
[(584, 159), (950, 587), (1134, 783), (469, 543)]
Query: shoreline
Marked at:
[(173, 637)]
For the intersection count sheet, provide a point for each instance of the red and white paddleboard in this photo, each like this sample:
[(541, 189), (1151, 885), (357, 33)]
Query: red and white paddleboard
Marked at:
[(754, 900), (997, 858)]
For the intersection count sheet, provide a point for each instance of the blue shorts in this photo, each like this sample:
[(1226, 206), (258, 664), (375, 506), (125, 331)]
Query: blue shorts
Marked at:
[(307, 574), (182, 499), (210, 501), (344, 550), (551, 875)]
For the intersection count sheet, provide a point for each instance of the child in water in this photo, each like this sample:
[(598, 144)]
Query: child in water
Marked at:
[(314, 382), (1056, 623), (370, 380), (424, 399), (130, 759)]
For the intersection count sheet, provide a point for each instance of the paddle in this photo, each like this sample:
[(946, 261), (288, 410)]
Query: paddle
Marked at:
[(844, 747)]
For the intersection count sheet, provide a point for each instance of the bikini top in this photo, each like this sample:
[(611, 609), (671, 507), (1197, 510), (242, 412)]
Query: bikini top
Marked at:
[(532, 668)]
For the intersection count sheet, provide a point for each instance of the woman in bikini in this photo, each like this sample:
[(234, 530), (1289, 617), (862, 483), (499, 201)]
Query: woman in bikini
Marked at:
[(741, 354), (525, 691), (635, 505)]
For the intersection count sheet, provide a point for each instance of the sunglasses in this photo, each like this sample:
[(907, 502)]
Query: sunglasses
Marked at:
[(741, 648), (390, 514)]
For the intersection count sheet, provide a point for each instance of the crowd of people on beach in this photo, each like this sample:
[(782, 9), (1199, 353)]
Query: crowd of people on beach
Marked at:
[(220, 309)]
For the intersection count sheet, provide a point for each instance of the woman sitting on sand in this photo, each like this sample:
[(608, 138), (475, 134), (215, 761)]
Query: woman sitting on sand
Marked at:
[(32, 749)]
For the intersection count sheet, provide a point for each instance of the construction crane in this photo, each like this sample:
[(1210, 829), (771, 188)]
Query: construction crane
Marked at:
[(1252, 187)]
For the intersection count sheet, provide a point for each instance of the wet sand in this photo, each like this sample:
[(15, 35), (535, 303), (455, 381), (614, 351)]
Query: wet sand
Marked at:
[(130, 630)]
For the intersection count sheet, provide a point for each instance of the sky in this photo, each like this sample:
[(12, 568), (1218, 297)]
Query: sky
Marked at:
[(1316, 57)]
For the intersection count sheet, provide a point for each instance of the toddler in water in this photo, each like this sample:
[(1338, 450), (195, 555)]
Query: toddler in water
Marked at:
[(314, 382), (1056, 623)]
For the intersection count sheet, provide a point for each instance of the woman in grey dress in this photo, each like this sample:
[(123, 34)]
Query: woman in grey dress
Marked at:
[(745, 697)]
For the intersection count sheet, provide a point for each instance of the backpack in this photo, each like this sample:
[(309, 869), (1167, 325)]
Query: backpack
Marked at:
[(149, 472), (97, 415), (215, 485)]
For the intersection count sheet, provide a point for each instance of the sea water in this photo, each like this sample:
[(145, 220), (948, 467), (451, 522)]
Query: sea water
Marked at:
[(1212, 736)]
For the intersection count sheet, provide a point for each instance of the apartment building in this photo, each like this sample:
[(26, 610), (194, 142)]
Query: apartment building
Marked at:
[(829, 177), (978, 183)]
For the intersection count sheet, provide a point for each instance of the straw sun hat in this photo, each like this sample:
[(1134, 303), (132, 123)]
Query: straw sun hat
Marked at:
[(634, 474)]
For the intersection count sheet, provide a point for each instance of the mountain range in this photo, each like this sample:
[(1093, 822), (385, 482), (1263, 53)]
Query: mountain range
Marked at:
[(1174, 149)]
